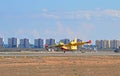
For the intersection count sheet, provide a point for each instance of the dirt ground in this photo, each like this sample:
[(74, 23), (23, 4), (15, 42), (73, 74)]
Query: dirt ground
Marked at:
[(60, 66)]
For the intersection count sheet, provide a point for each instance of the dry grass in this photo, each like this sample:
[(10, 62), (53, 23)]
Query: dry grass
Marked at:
[(61, 66)]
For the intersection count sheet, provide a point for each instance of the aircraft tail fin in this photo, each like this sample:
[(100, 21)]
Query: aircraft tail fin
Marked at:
[(89, 42)]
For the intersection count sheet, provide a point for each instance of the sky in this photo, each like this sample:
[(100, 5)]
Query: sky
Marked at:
[(59, 19)]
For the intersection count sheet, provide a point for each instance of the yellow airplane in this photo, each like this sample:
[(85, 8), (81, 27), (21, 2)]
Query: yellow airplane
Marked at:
[(71, 46)]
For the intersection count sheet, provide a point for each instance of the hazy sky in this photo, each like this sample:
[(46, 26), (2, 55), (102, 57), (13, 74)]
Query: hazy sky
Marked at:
[(84, 19)]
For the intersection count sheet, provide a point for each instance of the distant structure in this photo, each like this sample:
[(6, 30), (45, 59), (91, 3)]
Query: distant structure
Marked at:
[(24, 43), (38, 43), (114, 44), (98, 44), (103, 44), (12, 42), (107, 44), (65, 41), (50, 41), (1, 42)]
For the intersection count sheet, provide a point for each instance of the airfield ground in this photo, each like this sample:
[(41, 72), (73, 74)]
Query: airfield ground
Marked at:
[(60, 66)]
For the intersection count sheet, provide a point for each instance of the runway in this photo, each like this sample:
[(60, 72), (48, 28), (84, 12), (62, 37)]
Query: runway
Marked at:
[(59, 54)]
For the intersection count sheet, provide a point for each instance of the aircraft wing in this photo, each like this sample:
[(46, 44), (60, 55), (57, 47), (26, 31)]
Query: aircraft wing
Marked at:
[(69, 44), (78, 43), (82, 43)]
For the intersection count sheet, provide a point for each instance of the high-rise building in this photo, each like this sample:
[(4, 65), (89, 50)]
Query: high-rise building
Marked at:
[(102, 44), (12, 42), (38, 43), (65, 41), (98, 44), (114, 44), (24, 43), (50, 41), (1, 42), (105, 44), (108, 44)]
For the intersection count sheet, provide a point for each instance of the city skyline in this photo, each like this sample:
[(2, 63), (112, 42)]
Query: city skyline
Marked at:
[(40, 43), (55, 41), (86, 20)]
